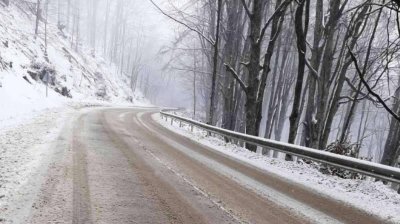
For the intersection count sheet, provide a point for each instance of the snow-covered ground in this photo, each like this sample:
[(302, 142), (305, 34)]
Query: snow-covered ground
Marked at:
[(20, 101), (86, 77), (30, 121), (373, 197), (25, 154), (27, 151)]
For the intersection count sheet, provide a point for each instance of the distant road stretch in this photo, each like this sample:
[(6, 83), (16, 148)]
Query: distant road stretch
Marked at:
[(121, 166)]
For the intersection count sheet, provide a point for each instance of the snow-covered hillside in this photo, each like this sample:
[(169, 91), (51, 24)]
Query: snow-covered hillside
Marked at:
[(79, 76)]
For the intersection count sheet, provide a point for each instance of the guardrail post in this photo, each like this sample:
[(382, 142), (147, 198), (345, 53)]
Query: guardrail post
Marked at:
[(191, 128), (172, 121), (180, 124)]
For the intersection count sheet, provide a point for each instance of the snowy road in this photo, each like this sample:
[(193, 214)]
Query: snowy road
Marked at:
[(121, 166)]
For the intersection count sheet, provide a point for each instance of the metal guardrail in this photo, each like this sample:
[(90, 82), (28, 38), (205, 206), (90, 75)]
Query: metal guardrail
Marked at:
[(376, 170)]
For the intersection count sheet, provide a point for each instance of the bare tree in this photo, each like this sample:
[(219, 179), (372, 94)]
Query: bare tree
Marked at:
[(38, 17)]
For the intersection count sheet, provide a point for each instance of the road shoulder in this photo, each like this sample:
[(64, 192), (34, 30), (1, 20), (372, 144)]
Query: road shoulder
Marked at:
[(355, 193)]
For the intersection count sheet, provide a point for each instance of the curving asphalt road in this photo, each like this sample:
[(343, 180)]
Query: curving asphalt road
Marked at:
[(121, 166)]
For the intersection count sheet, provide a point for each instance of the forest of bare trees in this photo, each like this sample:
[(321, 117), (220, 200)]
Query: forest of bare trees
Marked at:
[(108, 27), (322, 74)]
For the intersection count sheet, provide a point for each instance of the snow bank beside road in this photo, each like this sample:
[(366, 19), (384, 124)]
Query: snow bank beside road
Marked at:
[(373, 197), (20, 101), (25, 154)]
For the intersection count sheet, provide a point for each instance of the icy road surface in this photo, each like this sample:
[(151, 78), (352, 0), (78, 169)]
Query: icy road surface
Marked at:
[(121, 166)]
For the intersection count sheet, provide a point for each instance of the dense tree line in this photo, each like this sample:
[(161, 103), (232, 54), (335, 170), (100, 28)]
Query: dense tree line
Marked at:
[(107, 27), (316, 73)]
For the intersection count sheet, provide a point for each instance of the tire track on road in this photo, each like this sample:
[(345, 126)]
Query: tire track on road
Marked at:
[(81, 192), (170, 202)]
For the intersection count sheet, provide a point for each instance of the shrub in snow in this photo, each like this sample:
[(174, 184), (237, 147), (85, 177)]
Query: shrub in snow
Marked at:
[(99, 77), (41, 69), (64, 91), (129, 99), (3, 65), (346, 149), (64, 77), (102, 92)]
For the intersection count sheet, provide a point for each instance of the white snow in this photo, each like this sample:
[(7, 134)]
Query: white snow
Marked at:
[(29, 121), (20, 100), (25, 154), (22, 97), (373, 197)]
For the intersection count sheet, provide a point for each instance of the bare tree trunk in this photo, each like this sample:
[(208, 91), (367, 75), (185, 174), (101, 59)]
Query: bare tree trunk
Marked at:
[(301, 34), (349, 118), (77, 24), (59, 13), (309, 131), (123, 47), (392, 145), (194, 85), (254, 70), (94, 24), (232, 49), (215, 65), (361, 129), (38, 17), (45, 30), (106, 28), (357, 25), (273, 96), (68, 13)]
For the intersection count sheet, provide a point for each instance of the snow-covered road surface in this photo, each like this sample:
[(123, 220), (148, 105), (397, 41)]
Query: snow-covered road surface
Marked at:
[(121, 166)]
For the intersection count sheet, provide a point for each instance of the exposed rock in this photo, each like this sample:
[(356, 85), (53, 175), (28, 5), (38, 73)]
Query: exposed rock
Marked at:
[(34, 75), (26, 79), (42, 69), (64, 91)]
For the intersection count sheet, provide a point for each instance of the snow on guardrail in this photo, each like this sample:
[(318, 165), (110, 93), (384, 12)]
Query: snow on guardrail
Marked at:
[(368, 168)]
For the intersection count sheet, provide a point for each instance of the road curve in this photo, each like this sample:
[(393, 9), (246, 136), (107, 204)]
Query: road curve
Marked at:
[(124, 167)]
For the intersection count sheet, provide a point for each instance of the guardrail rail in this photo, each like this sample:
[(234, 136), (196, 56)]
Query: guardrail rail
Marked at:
[(368, 168)]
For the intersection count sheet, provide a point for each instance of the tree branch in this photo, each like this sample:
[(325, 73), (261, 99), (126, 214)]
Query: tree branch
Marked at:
[(182, 23), (236, 76), (246, 8), (361, 75), (278, 10), (313, 71), (365, 95), (397, 2)]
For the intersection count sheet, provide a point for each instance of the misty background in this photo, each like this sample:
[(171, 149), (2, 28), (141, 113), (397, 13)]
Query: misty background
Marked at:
[(172, 63), (141, 30)]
